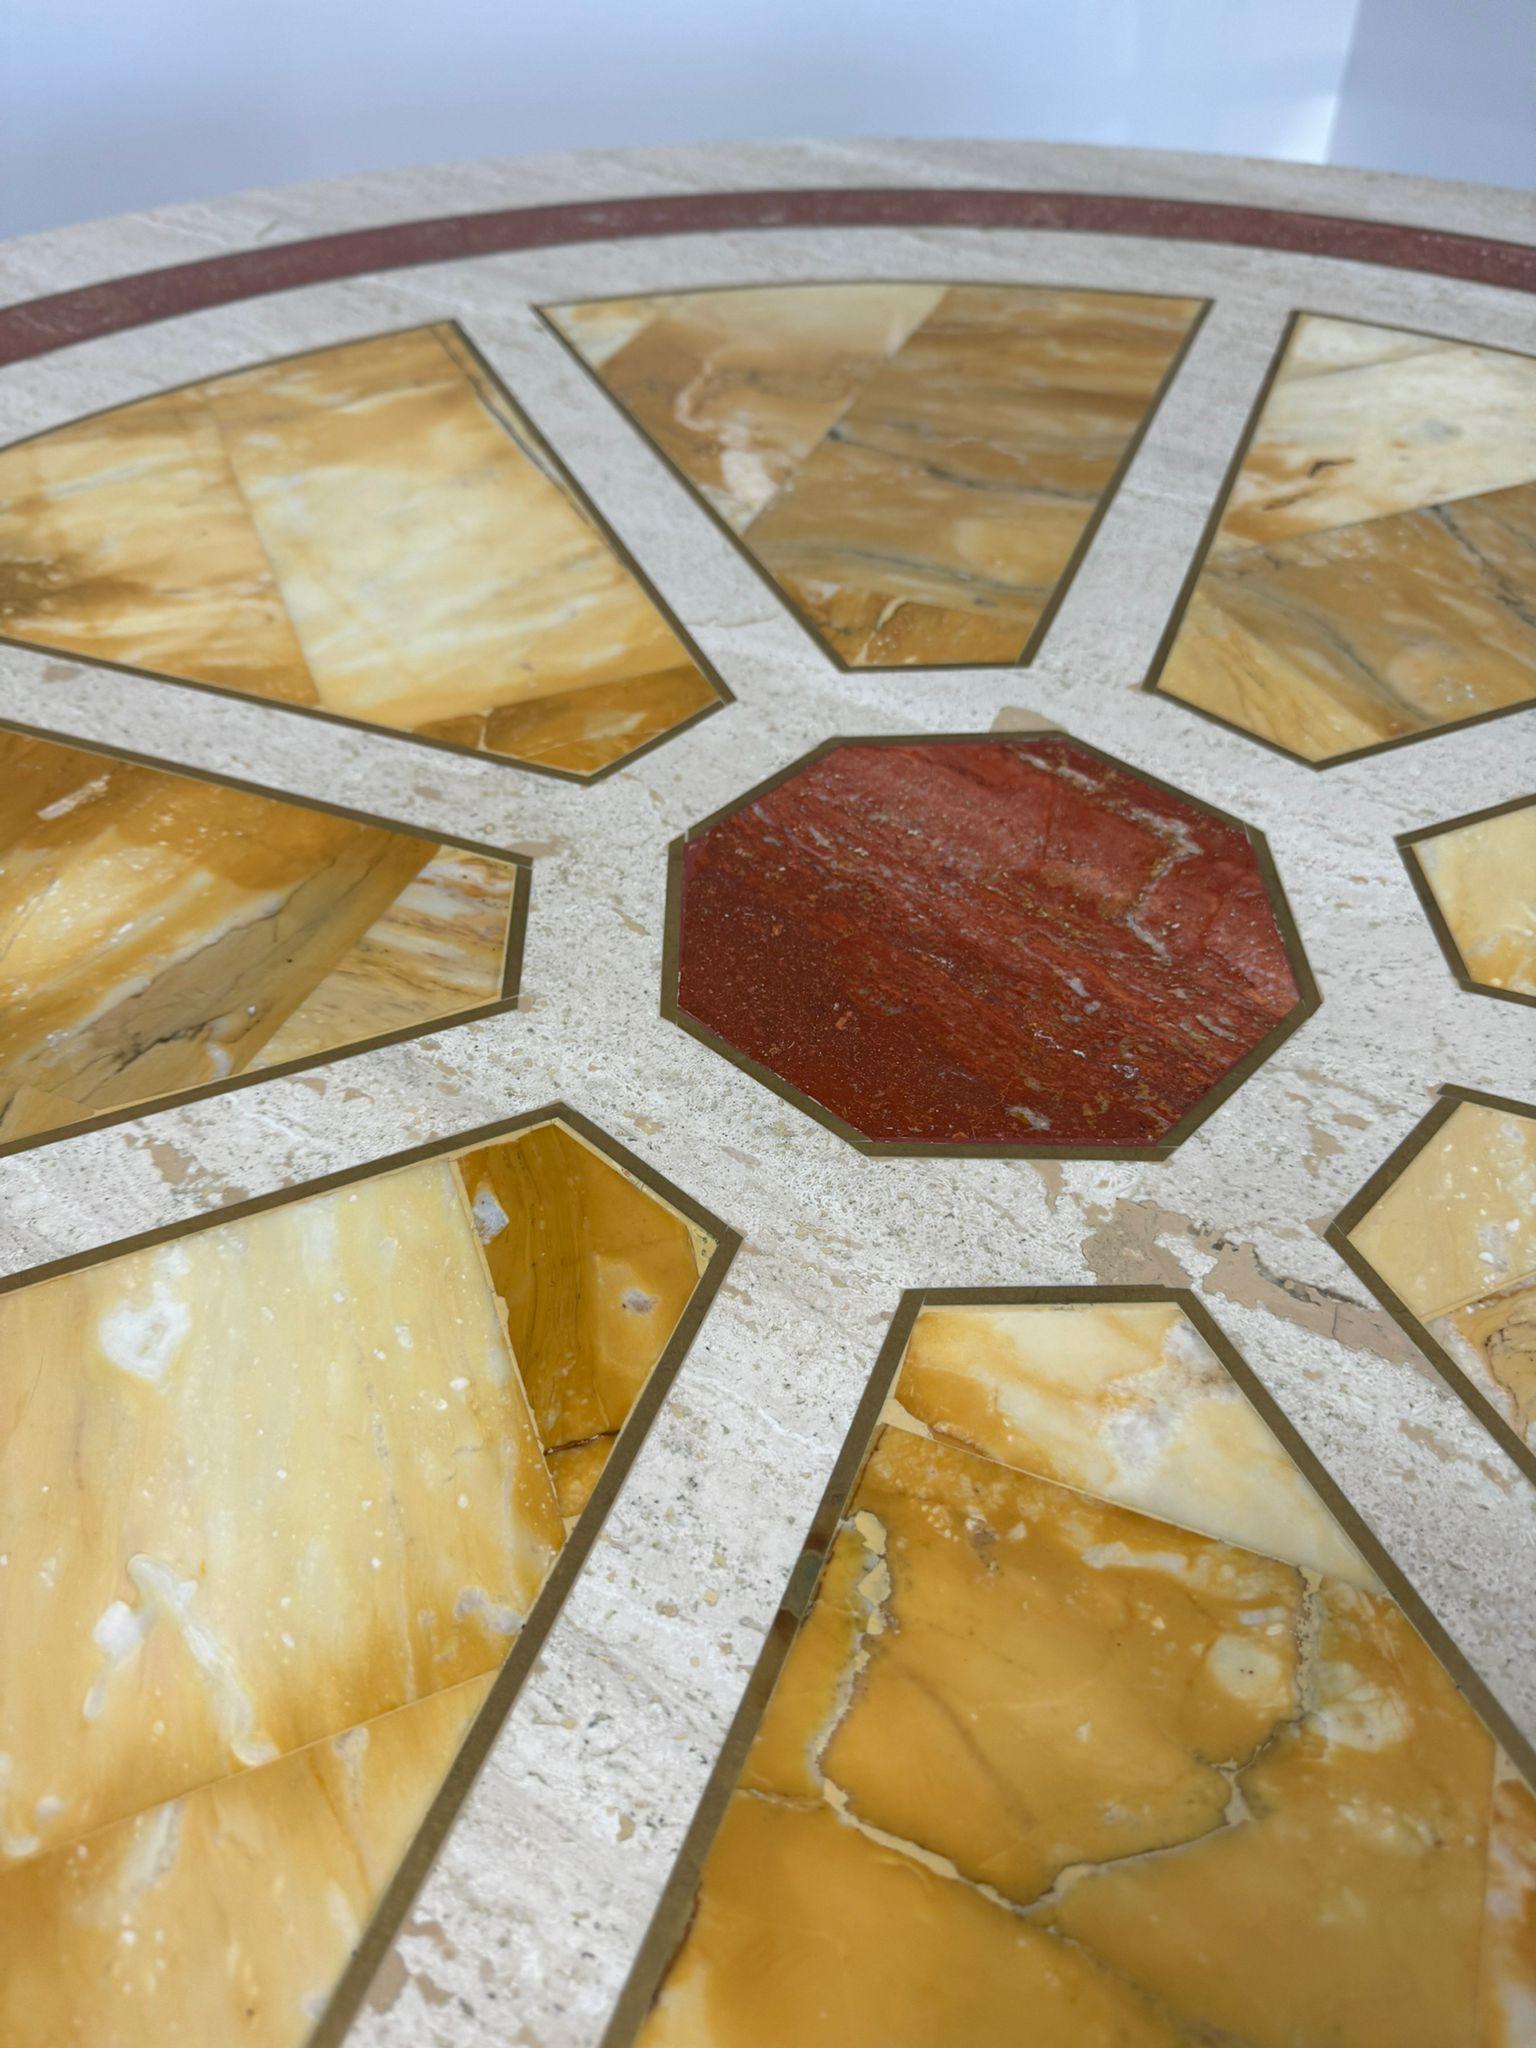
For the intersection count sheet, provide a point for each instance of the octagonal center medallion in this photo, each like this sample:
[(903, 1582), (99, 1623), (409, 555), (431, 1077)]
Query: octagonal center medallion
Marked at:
[(1006, 943)]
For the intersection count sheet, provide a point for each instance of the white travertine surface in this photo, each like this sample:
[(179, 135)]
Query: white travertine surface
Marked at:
[(525, 1929)]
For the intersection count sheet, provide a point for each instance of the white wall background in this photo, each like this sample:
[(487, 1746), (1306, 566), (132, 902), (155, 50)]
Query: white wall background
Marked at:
[(107, 105)]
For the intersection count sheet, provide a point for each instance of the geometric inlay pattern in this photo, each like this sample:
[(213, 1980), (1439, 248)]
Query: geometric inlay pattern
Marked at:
[(1371, 573), (1445, 1234), (986, 944), (282, 1497), (164, 933), (374, 532), (1476, 878), (915, 468), (1083, 1688)]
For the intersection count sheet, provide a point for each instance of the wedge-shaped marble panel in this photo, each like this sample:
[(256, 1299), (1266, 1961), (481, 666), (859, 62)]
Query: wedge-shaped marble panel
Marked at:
[(162, 934), (283, 1505), (916, 468), (1445, 1234), (373, 531), (1476, 878), (984, 943), (1370, 574), (1088, 1722)]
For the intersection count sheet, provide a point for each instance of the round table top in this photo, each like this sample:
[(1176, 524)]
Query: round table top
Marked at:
[(1157, 535)]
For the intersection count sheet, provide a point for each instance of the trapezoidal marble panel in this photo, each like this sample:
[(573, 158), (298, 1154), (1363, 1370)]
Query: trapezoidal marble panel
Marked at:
[(984, 944), (283, 1506), (1445, 1234), (165, 935), (1089, 1722), (916, 468), (373, 531), (1476, 878), (1370, 573)]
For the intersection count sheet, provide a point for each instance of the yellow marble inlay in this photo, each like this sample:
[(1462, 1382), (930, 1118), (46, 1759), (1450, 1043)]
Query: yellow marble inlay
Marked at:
[(1372, 573), (273, 1507), (159, 932), (374, 529), (1042, 1765), (913, 465), (1454, 1238), (1483, 879)]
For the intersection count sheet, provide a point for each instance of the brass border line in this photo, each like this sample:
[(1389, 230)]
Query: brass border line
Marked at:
[(1308, 996), (674, 1909), (352, 1985), (1407, 844), (585, 509), (1152, 680), (152, 1105), (1068, 571), (1337, 1234)]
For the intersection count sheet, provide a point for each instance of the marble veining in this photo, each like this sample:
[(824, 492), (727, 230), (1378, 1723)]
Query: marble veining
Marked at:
[(277, 1497), (1372, 573), (991, 942), (1454, 1238), (1043, 1765), (375, 530), (1482, 876), (913, 466), (160, 932)]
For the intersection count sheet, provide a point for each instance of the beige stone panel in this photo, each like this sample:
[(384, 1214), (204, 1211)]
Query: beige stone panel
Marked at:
[(1364, 421), (1508, 1989), (227, 1916), (1367, 633), (124, 538), (737, 387), (1459, 1222), (1342, 1896), (156, 929), (440, 948), (593, 1270), (257, 1485), (1483, 877), (965, 471), (431, 567), (1125, 1401), (810, 1933), (1494, 1343)]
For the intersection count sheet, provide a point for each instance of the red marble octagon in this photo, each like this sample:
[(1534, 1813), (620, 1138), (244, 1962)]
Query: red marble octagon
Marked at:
[(1007, 943)]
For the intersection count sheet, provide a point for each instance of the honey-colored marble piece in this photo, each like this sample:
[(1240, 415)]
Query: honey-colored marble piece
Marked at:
[(594, 1272), (1371, 575), (256, 1487), (1483, 879), (159, 932), (275, 1873), (1040, 1765), (912, 466), (1454, 1238), (390, 522), (156, 929)]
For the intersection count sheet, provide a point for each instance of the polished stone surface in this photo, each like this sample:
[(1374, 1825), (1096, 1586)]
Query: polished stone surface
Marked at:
[(1036, 1758), (376, 531), (161, 932), (1482, 877), (912, 465), (277, 1497), (986, 942), (1372, 574)]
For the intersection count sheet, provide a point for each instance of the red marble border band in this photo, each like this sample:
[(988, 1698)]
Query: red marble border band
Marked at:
[(59, 318)]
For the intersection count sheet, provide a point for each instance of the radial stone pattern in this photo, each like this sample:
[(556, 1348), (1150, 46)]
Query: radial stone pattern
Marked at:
[(913, 466), (162, 932), (272, 1619), (996, 942), (1097, 1722), (1373, 573), (375, 531)]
